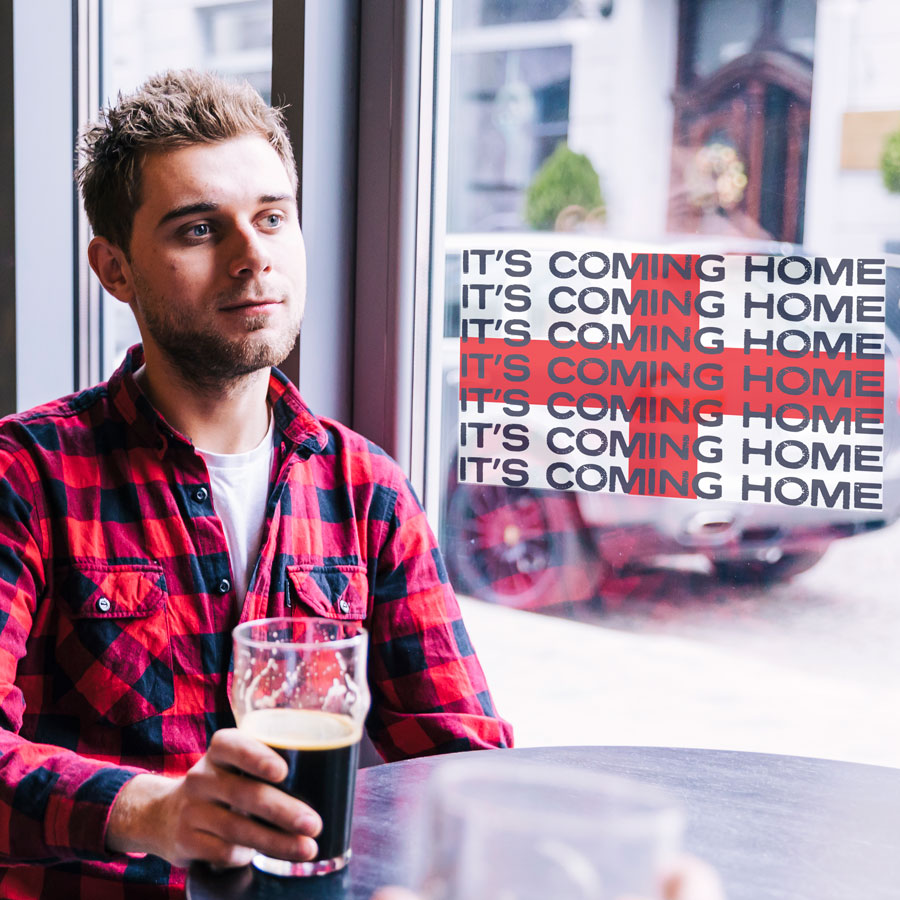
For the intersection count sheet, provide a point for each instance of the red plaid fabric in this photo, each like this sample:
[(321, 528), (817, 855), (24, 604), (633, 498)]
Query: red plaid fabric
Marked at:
[(116, 611)]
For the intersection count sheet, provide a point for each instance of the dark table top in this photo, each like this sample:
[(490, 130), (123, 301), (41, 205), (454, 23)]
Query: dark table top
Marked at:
[(776, 827)]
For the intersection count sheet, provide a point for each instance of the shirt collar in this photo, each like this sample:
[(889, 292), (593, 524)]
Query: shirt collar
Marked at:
[(293, 417)]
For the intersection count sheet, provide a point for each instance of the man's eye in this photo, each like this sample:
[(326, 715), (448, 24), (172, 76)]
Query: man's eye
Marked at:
[(273, 220), (198, 230)]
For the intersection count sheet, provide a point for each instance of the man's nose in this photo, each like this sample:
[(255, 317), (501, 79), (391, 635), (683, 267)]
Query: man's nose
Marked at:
[(248, 256)]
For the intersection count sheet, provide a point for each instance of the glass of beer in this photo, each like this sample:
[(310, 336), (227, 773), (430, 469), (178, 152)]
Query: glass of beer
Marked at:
[(300, 687)]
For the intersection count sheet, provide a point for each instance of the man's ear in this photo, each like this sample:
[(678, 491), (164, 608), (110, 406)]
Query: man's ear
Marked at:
[(112, 268)]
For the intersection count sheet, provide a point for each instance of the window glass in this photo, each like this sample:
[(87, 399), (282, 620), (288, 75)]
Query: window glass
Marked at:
[(504, 12), (511, 110), (723, 31), (797, 29), (141, 37), (714, 614)]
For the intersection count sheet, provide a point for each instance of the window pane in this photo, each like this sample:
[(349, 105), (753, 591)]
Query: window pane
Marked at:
[(725, 30), (512, 110), (798, 27), (610, 129), (141, 37), (503, 12)]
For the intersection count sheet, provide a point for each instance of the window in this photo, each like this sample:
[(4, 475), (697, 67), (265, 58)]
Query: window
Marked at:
[(744, 84), (511, 111), (687, 127)]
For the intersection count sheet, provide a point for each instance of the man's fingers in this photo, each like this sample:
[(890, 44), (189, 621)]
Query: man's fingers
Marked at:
[(210, 848), (230, 748), (237, 830), (256, 798), (692, 879)]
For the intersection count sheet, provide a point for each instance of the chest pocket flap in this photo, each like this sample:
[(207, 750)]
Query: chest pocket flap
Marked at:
[(112, 592), (113, 642), (335, 592)]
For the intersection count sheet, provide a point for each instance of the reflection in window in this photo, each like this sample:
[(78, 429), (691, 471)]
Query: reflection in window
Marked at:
[(748, 85), (512, 112), (797, 27), (707, 133), (468, 13), (723, 31)]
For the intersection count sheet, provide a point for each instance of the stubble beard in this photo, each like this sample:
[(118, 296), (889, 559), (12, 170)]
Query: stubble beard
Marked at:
[(207, 359)]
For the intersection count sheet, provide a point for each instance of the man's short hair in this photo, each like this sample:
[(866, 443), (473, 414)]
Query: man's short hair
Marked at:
[(171, 110)]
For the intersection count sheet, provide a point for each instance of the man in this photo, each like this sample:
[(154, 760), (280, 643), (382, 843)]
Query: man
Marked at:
[(140, 520)]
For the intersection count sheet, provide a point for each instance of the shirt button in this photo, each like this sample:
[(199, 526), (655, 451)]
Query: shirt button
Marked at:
[(344, 606), (104, 605), (224, 586), (201, 494)]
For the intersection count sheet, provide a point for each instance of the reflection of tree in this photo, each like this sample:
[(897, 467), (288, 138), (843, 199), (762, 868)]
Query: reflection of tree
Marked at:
[(565, 189), (890, 162), (707, 189)]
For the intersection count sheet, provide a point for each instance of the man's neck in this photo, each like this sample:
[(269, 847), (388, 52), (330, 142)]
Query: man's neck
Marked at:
[(231, 418)]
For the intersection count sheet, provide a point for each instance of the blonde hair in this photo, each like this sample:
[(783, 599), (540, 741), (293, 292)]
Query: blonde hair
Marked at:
[(171, 110)]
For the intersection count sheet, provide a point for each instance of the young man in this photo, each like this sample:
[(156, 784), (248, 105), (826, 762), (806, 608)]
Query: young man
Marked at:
[(142, 519)]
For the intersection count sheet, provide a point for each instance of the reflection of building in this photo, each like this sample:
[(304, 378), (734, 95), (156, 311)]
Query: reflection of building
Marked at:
[(642, 91), (233, 37), (744, 81)]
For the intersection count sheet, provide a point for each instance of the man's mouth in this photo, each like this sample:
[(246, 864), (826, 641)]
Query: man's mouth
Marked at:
[(250, 305)]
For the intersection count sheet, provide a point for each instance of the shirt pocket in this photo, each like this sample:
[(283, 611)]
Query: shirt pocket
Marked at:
[(333, 592), (113, 643)]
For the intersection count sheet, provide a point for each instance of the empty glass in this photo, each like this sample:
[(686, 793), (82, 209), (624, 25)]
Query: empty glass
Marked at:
[(499, 828)]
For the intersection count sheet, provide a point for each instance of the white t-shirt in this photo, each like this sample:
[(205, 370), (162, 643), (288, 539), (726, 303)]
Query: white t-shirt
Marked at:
[(240, 490)]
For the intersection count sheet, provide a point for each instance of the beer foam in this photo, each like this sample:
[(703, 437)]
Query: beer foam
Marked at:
[(301, 729)]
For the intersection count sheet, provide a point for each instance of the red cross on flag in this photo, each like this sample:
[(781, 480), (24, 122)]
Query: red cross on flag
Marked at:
[(738, 377)]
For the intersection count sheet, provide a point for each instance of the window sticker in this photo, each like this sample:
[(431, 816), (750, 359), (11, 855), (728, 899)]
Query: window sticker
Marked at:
[(719, 376)]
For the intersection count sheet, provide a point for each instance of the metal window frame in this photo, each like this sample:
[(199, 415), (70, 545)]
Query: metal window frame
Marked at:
[(86, 80), (315, 71), (393, 228)]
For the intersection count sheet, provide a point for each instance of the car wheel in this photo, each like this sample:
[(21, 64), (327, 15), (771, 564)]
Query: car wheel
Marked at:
[(518, 547), (760, 572)]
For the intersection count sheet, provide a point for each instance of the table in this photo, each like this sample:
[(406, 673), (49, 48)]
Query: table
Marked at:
[(776, 827)]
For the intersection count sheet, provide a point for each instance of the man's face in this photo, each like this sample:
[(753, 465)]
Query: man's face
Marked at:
[(217, 259)]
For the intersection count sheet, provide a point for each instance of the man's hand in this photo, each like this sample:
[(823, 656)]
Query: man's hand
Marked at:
[(215, 813)]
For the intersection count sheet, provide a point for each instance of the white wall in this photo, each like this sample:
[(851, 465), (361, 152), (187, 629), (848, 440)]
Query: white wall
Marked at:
[(857, 68)]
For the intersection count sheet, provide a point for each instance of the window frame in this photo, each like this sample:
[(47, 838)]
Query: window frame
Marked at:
[(39, 225), (7, 217)]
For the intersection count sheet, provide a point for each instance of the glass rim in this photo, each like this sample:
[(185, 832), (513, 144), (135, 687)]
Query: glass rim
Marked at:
[(240, 633)]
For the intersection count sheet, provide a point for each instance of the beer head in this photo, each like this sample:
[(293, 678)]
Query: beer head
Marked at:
[(301, 729)]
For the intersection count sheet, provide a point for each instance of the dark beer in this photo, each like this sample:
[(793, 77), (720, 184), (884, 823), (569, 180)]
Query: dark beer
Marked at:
[(322, 753)]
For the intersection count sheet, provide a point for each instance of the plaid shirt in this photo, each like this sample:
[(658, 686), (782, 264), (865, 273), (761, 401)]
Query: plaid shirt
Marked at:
[(116, 611)]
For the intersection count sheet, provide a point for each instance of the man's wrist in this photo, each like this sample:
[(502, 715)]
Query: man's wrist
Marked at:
[(136, 818)]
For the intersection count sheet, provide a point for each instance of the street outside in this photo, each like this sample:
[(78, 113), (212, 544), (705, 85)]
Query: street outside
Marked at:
[(807, 667)]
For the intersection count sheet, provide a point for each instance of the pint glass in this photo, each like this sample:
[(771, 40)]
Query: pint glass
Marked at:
[(300, 686), (501, 827)]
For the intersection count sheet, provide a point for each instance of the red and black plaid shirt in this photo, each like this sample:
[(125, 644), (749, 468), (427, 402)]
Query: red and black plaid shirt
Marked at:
[(117, 605)]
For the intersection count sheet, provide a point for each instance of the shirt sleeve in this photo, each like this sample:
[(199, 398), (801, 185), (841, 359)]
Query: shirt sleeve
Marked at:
[(54, 803), (429, 692)]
